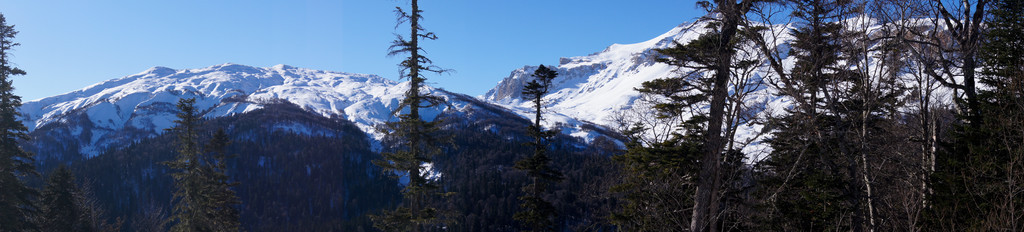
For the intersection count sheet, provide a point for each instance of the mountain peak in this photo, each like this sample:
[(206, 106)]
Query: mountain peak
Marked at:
[(282, 67), (159, 71)]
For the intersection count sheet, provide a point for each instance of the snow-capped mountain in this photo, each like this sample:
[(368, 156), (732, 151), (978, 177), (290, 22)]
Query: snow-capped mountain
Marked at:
[(145, 102), (137, 106)]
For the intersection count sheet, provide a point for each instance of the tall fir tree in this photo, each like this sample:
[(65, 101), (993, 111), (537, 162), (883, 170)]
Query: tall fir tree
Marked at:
[(222, 201), (16, 207), (416, 140), (188, 212), (203, 199), (536, 213)]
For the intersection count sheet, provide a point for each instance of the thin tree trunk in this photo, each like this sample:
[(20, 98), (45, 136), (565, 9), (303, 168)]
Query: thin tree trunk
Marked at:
[(414, 111)]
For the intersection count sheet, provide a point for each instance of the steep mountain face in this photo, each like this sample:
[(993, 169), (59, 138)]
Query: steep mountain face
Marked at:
[(596, 84), (120, 111)]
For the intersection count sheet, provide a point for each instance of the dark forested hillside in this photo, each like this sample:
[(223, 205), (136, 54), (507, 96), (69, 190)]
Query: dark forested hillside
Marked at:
[(317, 179), (479, 169), (298, 171)]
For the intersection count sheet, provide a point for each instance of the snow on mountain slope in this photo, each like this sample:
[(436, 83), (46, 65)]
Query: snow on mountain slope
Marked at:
[(596, 86), (146, 102), (599, 86)]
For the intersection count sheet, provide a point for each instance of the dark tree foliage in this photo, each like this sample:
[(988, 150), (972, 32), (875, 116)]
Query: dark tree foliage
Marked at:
[(189, 213), (677, 163), (976, 180), (658, 182), (222, 199), (64, 206), (820, 169), (482, 171), (417, 141), (1003, 49), (731, 14), (16, 197), (324, 181), (321, 181), (60, 204), (659, 178), (203, 199), (809, 186), (537, 213)]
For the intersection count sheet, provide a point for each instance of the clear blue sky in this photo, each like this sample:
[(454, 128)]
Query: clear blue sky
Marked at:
[(67, 45)]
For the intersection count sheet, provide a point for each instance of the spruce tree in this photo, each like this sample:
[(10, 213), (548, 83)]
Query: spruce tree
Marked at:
[(415, 139), (1003, 47), (188, 213), (818, 165), (203, 199), (536, 213), (222, 200), (61, 202), (807, 191), (16, 207)]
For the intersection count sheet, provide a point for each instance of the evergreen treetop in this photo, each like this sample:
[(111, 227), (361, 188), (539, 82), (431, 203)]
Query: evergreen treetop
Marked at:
[(15, 163)]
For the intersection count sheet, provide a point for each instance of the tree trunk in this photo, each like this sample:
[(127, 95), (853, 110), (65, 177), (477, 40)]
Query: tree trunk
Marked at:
[(709, 182)]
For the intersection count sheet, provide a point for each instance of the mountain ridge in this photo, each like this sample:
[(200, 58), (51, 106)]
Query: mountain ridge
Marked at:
[(126, 109)]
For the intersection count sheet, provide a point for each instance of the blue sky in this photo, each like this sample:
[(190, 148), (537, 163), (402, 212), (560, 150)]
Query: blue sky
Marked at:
[(67, 45)]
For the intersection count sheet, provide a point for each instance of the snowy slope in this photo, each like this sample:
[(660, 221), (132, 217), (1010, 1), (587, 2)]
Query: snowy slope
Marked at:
[(142, 105), (600, 86)]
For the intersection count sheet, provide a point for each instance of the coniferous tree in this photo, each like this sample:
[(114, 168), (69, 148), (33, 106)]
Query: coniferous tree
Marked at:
[(1003, 50), (676, 161), (203, 197), (730, 15), (188, 213), (671, 163), (222, 200), (807, 190), (416, 140), (819, 170), (1003, 112), (16, 207), (537, 213), (658, 182), (61, 203)]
